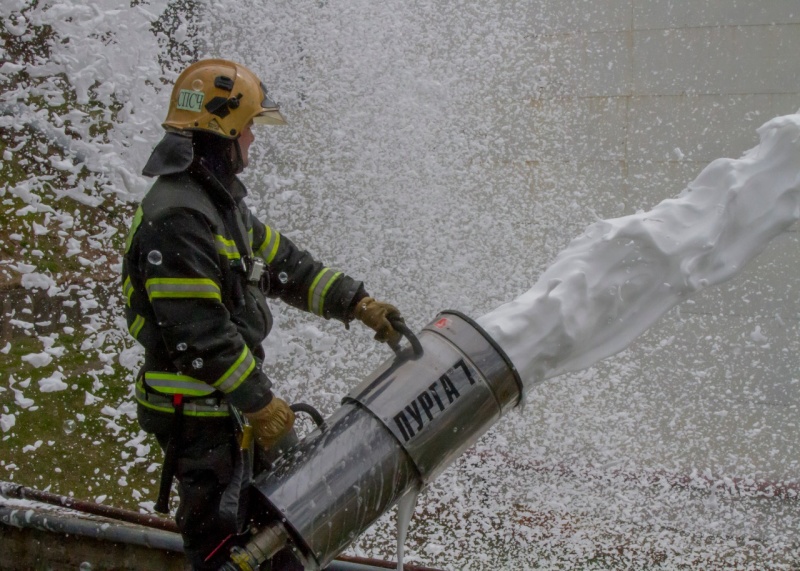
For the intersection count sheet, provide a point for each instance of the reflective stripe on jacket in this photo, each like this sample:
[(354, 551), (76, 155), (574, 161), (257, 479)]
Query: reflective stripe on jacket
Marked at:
[(195, 406)]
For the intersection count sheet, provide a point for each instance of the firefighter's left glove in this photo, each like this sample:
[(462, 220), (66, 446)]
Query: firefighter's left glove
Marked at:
[(378, 316), (271, 423)]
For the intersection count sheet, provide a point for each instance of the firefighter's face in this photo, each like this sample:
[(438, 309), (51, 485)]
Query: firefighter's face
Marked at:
[(245, 140)]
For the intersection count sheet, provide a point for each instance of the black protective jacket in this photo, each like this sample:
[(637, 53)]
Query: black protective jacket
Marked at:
[(195, 295)]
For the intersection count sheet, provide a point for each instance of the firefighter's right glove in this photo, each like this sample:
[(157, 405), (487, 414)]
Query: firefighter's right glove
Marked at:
[(271, 423), (377, 315)]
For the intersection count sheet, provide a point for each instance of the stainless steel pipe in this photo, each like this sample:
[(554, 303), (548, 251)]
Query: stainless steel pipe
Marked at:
[(400, 429)]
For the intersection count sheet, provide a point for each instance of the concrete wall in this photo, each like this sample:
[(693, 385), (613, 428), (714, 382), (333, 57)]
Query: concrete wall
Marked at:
[(644, 79)]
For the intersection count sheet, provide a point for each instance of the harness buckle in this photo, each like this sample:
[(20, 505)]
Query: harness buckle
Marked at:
[(256, 270)]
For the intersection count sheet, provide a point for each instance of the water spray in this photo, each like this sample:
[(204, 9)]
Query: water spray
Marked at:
[(416, 414)]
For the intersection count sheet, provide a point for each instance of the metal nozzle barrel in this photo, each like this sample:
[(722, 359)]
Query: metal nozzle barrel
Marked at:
[(401, 428)]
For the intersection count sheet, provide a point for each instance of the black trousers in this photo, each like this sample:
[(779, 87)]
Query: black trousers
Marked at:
[(205, 465)]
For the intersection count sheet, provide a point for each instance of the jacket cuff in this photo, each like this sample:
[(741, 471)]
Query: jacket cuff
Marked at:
[(342, 301), (253, 394)]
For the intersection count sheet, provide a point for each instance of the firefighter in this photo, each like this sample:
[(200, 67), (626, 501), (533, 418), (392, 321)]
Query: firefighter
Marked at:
[(197, 267)]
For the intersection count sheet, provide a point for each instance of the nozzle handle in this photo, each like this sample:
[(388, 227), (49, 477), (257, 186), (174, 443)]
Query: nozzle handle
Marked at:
[(312, 412), (400, 326)]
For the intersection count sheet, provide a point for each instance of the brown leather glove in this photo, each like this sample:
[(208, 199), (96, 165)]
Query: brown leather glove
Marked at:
[(271, 422), (376, 315)]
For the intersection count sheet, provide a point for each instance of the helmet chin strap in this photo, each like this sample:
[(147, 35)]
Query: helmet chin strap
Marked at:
[(237, 160)]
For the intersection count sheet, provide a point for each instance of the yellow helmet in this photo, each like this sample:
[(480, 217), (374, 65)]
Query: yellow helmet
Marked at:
[(220, 97)]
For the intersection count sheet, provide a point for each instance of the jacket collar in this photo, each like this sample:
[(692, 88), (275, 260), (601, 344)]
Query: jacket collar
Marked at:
[(228, 195)]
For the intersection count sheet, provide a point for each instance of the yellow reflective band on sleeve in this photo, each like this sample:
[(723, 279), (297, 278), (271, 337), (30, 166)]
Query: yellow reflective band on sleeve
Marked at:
[(319, 288), (127, 290), (174, 383), (269, 248), (136, 326), (237, 372), (226, 247), (172, 288), (137, 219)]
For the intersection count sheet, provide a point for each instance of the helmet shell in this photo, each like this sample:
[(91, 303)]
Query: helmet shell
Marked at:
[(220, 97)]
